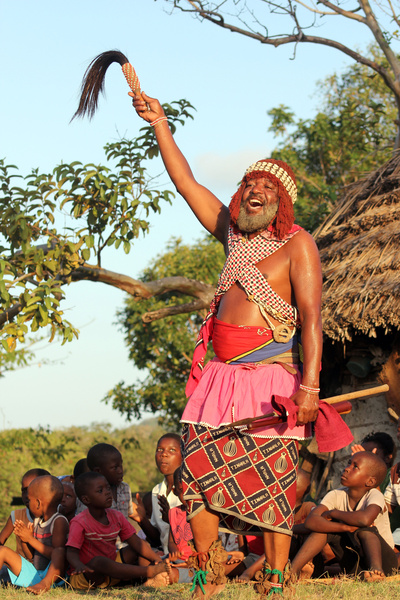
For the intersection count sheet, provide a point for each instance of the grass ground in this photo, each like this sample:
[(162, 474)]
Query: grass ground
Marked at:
[(342, 590)]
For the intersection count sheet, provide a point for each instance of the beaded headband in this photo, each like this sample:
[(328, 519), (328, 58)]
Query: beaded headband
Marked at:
[(279, 172)]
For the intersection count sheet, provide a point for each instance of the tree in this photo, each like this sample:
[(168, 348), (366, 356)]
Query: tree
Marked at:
[(163, 348), (349, 136), (39, 255), (248, 18)]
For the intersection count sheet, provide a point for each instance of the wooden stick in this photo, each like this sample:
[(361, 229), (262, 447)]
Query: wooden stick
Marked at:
[(380, 389)]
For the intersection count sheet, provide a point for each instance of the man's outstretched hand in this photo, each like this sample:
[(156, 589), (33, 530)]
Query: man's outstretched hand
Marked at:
[(148, 108)]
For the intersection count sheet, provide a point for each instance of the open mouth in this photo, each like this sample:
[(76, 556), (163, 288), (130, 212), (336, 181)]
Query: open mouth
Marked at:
[(255, 203)]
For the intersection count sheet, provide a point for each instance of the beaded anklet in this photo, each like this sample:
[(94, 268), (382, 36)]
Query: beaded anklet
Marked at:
[(276, 588), (200, 579)]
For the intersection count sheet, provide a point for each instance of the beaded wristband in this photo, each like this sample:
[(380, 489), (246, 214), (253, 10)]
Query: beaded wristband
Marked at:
[(309, 390), (159, 120)]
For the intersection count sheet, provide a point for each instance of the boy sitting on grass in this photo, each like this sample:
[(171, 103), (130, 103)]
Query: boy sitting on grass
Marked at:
[(354, 521), (47, 538), (91, 549), (21, 514)]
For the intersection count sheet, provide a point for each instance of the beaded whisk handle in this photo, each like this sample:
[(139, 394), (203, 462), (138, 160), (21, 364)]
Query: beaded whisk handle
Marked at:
[(131, 77)]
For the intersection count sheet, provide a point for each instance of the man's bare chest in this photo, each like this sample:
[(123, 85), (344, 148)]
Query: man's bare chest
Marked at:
[(276, 268)]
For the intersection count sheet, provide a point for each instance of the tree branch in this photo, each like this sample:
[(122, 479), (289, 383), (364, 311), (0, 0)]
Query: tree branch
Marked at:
[(10, 313), (174, 310), (140, 289), (380, 38), (336, 11), (393, 83)]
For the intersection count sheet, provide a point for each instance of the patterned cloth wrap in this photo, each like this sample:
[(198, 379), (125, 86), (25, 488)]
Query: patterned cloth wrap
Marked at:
[(250, 482)]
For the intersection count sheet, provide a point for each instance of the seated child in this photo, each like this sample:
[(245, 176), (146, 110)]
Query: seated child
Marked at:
[(180, 532), (22, 514), (382, 444), (168, 459), (107, 460), (46, 537), (80, 467), (148, 507), (180, 535), (68, 502), (91, 550), (354, 521)]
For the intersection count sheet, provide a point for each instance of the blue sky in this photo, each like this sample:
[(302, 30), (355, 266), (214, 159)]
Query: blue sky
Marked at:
[(231, 80)]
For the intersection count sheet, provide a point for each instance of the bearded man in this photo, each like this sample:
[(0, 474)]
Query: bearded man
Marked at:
[(269, 289)]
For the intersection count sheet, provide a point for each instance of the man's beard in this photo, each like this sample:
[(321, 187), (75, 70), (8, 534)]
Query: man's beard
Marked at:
[(253, 223)]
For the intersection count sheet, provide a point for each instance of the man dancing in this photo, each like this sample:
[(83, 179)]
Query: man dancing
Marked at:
[(269, 290)]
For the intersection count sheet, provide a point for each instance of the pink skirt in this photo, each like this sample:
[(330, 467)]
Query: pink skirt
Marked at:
[(227, 393)]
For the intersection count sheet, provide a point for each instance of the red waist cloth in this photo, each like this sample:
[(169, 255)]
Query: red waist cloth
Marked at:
[(233, 340)]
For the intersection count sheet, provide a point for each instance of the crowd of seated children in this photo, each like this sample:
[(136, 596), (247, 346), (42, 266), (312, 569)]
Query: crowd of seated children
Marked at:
[(354, 521), (94, 558), (94, 505)]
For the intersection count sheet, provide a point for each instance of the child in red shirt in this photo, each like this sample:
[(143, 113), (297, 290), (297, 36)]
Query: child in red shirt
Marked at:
[(91, 549)]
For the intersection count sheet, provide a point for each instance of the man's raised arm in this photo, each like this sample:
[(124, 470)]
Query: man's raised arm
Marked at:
[(210, 211)]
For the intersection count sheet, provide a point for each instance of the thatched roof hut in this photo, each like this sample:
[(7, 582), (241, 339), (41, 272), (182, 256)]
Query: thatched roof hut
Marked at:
[(359, 245)]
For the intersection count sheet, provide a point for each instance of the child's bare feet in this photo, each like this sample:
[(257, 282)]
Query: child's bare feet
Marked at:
[(236, 556), (159, 580), (38, 588), (243, 578), (173, 572), (307, 571), (373, 575), (161, 567)]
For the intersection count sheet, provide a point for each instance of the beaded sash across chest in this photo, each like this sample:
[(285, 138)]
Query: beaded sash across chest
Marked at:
[(240, 266)]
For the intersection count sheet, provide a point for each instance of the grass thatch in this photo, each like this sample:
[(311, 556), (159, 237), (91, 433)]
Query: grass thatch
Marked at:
[(359, 245)]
